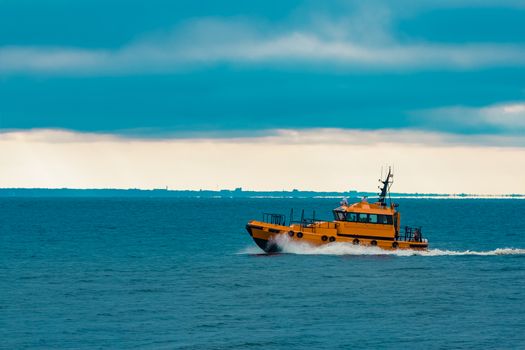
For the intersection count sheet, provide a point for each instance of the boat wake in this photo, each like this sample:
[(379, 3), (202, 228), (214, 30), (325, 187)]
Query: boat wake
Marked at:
[(301, 248)]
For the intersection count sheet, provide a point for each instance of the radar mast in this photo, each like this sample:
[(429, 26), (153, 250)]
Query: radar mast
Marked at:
[(385, 188)]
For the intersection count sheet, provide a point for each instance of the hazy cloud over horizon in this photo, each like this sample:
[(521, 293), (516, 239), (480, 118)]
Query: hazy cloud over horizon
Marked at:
[(285, 160)]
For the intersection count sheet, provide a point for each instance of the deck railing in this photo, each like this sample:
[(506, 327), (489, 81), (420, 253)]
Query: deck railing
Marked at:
[(313, 224), (275, 219), (308, 224), (411, 234)]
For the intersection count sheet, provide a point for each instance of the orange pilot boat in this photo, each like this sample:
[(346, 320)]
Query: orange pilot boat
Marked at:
[(362, 223)]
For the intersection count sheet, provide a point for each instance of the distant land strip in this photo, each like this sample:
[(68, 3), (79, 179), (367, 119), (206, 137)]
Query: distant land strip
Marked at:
[(236, 193)]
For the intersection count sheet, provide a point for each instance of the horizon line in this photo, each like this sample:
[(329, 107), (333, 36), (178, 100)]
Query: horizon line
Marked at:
[(241, 190)]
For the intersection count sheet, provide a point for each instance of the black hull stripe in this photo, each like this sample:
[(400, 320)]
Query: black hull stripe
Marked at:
[(418, 245), (250, 227), (367, 237)]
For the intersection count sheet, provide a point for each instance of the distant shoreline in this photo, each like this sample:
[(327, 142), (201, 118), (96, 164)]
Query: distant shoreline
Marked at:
[(237, 193)]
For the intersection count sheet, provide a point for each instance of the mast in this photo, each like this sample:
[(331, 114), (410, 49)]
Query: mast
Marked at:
[(386, 187)]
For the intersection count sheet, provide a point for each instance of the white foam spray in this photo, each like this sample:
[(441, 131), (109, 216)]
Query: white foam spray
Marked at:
[(336, 248)]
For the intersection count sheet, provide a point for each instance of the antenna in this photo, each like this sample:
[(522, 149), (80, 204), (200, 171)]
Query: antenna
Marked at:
[(385, 189)]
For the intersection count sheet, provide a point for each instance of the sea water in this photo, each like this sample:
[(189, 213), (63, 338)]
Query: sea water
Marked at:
[(184, 274)]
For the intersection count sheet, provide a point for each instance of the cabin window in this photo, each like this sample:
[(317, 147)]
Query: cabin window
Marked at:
[(369, 218), (352, 217), (339, 215), (362, 217), (384, 219)]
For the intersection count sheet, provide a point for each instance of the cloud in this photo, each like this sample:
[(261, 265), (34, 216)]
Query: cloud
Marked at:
[(13, 59), (310, 136), (507, 117), (360, 41), (317, 160)]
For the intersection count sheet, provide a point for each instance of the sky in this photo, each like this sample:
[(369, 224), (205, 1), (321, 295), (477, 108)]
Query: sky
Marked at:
[(265, 96)]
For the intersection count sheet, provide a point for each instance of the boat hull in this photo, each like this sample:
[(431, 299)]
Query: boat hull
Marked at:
[(265, 236), (267, 245)]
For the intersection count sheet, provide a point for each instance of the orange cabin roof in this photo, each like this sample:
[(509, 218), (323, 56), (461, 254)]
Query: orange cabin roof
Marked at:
[(365, 207)]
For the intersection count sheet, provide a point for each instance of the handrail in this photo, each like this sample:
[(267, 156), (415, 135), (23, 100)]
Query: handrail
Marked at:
[(411, 234), (313, 224), (274, 219)]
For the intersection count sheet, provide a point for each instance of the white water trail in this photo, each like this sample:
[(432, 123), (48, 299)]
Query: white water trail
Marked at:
[(293, 247)]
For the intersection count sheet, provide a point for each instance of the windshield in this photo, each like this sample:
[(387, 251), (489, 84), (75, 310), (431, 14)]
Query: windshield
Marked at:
[(369, 218), (339, 215)]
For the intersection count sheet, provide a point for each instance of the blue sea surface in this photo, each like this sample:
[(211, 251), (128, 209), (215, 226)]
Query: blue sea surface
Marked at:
[(112, 273)]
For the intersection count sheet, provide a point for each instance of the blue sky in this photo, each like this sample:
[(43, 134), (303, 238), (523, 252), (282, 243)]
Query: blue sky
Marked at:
[(287, 89), (230, 69)]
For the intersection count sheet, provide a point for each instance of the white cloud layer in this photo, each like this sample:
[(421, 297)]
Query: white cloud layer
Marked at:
[(326, 159), (508, 117), (360, 41)]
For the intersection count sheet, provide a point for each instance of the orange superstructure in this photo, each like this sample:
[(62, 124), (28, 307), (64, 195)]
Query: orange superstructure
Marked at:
[(361, 223)]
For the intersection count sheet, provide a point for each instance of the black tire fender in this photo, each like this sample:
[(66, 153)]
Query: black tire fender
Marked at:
[(324, 238), (355, 241), (290, 233), (332, 239), (299, 235), (373, 243)]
